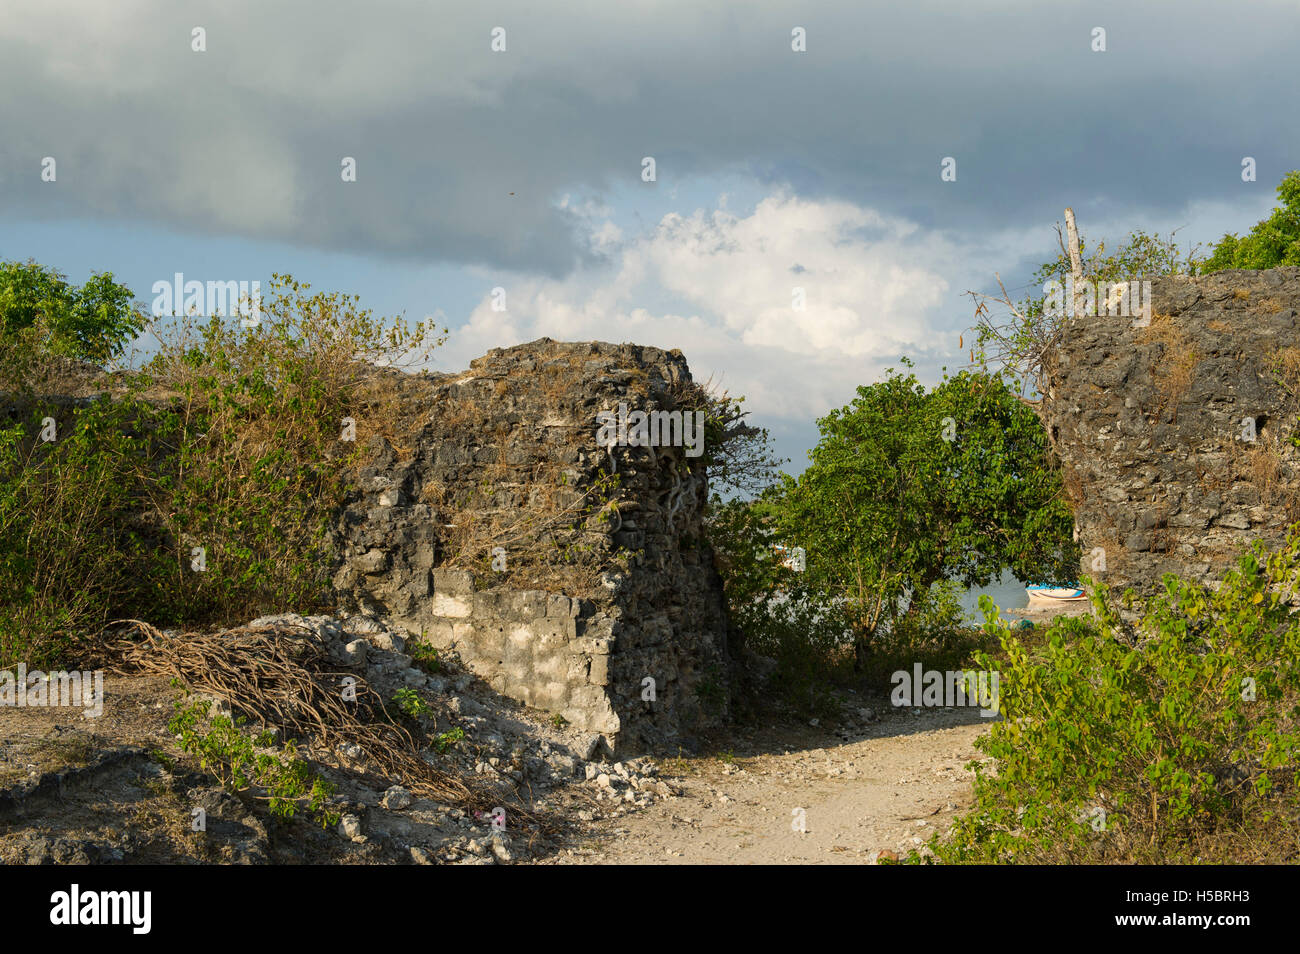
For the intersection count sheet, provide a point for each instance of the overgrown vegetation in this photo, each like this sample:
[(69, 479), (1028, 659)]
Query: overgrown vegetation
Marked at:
[(1176, 739), (282, 677), (1019, 335), (1272, 242), (69, 560), (201, 491), (738, 456), (910, 494), (773, 612), (243, 762)]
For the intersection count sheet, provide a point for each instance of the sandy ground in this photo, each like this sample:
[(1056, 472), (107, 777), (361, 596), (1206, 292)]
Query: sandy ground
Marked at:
[(888, 787), (883, 783)]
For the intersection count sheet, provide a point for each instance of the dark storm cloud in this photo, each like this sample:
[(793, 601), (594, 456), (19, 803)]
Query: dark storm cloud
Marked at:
[(246, 139)]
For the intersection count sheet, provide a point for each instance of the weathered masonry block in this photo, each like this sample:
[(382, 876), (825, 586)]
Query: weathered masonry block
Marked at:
[(570, 576), (1178, 439), (545, 649)]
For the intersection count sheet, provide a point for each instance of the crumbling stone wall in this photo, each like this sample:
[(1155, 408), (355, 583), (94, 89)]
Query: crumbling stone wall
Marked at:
[(570, 576), (1178, 439)]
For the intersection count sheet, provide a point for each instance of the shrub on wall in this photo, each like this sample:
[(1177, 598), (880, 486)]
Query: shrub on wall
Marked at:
[(207, 503)]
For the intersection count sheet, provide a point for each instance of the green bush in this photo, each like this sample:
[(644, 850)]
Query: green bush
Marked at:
[(1272, 242), (1174, 740), (412, 704), (1022, 337), (809, 641), (773, 613), (230, 753), (236, 451), (443, 742), (71, 555), (94, 321)]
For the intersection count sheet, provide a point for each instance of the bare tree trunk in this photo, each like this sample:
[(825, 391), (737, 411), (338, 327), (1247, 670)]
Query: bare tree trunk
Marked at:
[(1076, 261), (862, 635), (861, 653), (919, 594)]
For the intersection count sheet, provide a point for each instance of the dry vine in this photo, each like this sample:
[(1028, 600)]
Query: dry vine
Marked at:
[(283, 677)]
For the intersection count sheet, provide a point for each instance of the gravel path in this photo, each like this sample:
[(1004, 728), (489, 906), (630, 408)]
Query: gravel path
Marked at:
[(887, 787)]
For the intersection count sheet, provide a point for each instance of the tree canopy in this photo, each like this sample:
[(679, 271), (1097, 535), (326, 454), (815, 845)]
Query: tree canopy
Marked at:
[(909, 487), (1272, 242), (93, 322)]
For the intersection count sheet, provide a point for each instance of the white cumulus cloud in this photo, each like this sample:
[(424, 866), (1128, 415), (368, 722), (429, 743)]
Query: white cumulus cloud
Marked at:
[(722, 287)]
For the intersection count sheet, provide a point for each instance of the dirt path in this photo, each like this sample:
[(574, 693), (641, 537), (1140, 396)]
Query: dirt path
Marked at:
[(889, 786)]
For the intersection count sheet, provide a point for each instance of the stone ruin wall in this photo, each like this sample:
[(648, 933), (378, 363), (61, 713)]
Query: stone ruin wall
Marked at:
[(1150, 425), (604, 586)]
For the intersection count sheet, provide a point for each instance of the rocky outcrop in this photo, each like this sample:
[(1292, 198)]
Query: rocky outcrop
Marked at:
[(569, 575), (1179, 439)]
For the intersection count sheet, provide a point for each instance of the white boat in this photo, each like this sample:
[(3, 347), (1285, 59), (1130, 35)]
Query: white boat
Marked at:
[(1056, 594)]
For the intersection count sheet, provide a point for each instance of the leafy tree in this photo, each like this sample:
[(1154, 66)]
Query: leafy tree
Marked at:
[(738, 455), (1272, 242), (774, 610), (909, 487), (93, 321)]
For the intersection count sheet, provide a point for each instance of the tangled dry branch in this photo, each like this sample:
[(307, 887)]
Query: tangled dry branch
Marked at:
[(283, 677)]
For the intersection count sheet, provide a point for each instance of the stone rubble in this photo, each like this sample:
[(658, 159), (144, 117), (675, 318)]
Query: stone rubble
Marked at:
[(520, 751)]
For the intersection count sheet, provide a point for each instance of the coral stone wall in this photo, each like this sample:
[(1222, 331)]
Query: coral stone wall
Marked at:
[(571, 576), (1178, 439)]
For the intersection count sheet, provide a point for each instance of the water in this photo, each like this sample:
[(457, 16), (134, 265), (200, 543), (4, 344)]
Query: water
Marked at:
[(1007, 593)]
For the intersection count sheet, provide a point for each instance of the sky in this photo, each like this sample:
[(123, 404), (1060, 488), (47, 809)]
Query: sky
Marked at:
[(504, 145)]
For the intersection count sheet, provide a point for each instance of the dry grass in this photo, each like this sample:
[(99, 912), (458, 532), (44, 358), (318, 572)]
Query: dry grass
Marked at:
[(544, 538), (1174, 364), (1264, 464), (434, 493), (553, 519), (1285, 364), (454, 415), (1072, 484), (560, 380)]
